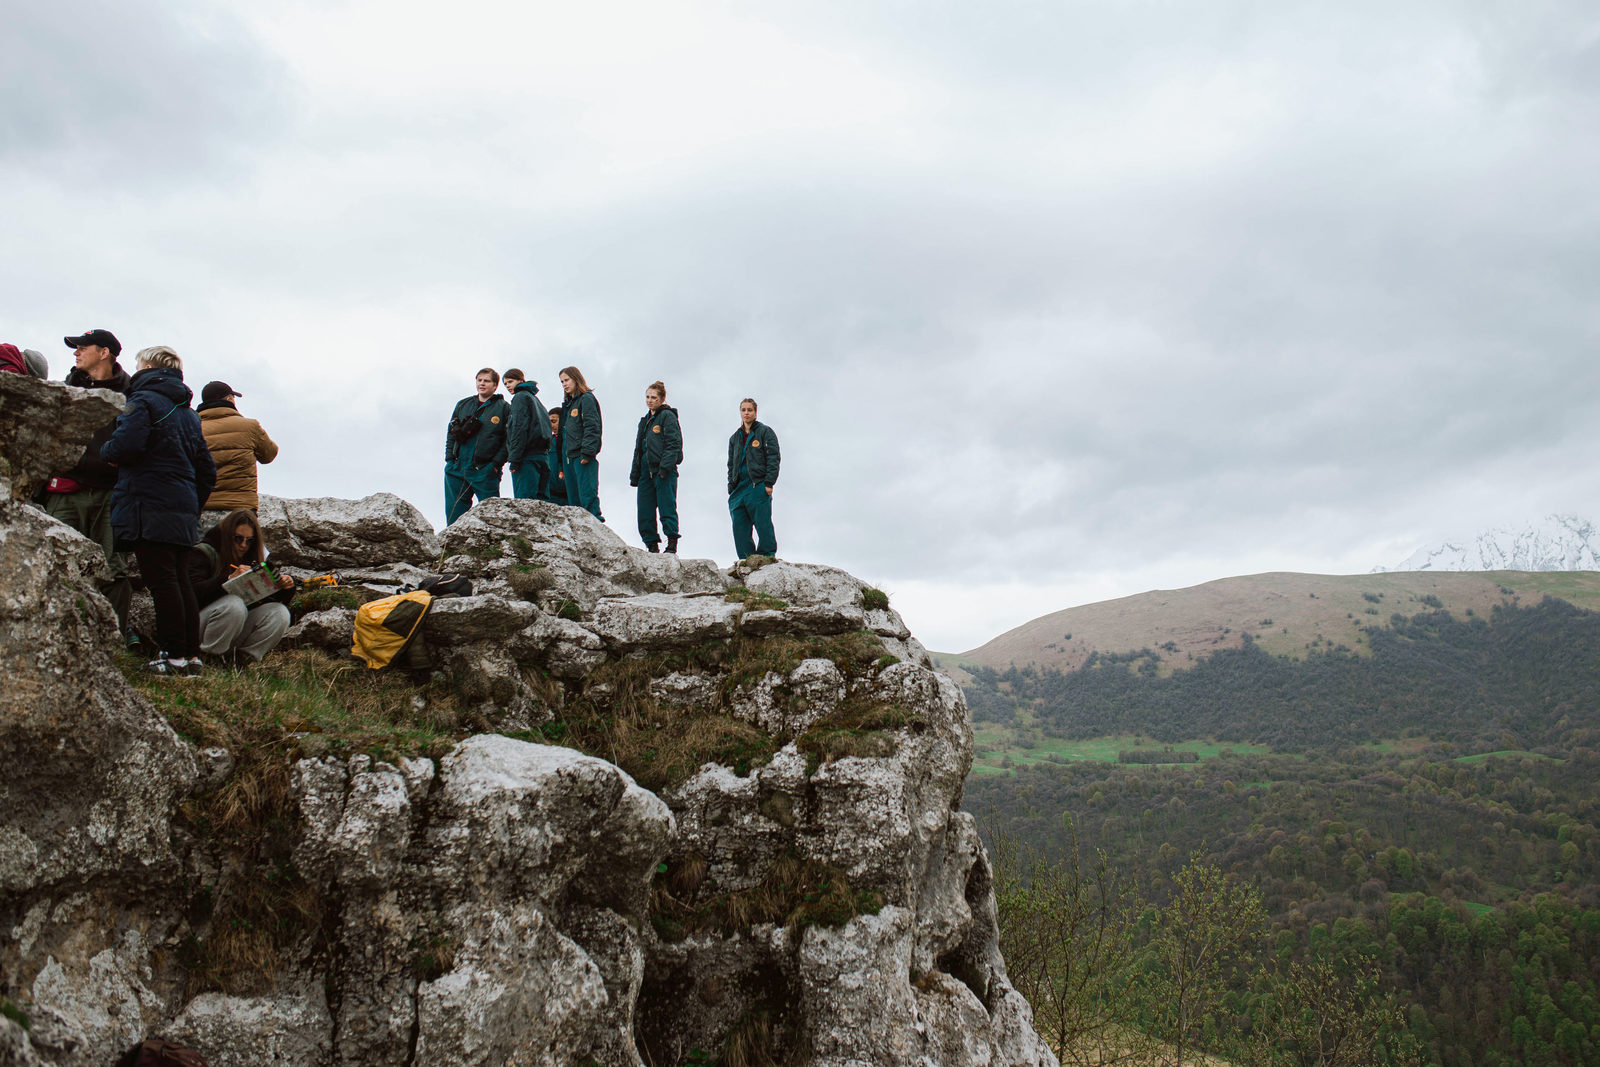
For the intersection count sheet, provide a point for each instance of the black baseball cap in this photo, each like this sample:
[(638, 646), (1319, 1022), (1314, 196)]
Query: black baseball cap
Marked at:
[(103, 338), (217, 391)]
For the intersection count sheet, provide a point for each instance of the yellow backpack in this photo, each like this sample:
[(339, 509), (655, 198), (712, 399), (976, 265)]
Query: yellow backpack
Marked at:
[(384, 627)]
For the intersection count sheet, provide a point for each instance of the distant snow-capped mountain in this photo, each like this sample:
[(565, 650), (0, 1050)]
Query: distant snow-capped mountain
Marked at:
[(1556, 543)]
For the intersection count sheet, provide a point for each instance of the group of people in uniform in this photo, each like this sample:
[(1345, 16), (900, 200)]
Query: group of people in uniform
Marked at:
[(553, 454)]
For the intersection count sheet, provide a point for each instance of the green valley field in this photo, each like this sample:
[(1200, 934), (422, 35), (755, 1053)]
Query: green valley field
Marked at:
[(1404, 768)]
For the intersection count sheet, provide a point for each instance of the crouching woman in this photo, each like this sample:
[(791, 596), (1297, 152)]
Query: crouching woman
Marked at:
[(229, 626)]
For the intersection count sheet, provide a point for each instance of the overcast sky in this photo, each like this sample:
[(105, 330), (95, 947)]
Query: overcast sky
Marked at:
[(1047, 302)]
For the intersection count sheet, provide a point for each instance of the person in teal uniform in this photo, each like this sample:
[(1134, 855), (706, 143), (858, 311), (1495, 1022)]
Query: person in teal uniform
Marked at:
[(475, 447), (656, 454), (557, 485), (752, 472), (580, 437), (527, 439)]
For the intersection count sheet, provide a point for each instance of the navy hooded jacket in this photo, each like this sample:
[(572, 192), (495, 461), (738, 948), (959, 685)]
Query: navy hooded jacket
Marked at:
[(528, 435), (164, 469)]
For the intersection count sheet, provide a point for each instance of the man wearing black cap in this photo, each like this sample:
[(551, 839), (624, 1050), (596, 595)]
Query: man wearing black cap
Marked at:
[(237, 444), (81, 497)]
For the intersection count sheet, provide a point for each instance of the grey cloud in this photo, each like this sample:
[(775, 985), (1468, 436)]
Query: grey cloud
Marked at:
[(99, 94)]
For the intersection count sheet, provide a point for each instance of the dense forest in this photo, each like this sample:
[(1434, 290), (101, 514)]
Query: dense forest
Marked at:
[(1527, 677), (1471, 881)]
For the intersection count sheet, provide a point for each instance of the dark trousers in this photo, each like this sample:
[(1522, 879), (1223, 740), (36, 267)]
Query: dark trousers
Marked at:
[(583, 485), (166, 572), (658, 495), (461, 483), (749, 505), (89, 512), (532, 480)]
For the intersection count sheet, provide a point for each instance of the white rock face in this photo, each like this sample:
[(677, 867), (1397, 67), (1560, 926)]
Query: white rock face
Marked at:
[(1555, 543), (515, 903), (586, 560), (324, 533), (492, 901)]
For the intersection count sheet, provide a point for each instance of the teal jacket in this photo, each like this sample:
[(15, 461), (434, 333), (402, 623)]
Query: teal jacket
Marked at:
[(762, 453), (580, 426), (487, 446), (528, 432), (659, 447)]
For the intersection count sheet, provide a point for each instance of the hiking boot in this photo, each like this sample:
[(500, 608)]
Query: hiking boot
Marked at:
[(163, 666), (672, 544), (194, 668), (654, 546), (131, 640)]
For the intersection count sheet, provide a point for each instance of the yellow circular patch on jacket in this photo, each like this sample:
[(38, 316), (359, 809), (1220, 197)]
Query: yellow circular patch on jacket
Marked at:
[(573, 413), (655, 429), (494, 418), (755, 444)]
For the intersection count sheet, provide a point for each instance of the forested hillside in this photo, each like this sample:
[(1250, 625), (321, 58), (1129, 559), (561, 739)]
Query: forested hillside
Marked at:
[(1525, 677), (1433, 806)]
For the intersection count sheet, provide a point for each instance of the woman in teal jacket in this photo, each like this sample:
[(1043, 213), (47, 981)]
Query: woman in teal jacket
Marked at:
[(656, 454), (580, 441), (752, 472)]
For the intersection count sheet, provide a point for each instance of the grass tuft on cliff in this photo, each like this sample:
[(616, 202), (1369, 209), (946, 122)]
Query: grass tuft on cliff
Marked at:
[(662, 744), (796, 892)]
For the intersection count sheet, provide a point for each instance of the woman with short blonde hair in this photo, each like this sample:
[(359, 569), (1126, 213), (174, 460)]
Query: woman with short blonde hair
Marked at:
[(164, 473)]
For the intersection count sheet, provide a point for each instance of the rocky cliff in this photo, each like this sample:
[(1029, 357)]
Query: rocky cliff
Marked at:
[(680, 816)]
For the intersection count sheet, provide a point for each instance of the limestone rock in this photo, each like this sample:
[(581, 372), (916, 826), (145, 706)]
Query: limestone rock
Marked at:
[(290, 1028), (681, 689), (509, 880), (326, 533), (820, 599), (662, 620), (332, 629), (44, 427), (586, 560), (785, 705), (93, 776), (502, 904), (483, 617)]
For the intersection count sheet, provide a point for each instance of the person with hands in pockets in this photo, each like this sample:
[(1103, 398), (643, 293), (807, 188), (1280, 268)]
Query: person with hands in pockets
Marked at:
[(580, 441), (657, 452), (752, 472)]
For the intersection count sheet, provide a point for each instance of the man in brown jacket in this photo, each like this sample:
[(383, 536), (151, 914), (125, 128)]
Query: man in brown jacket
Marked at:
[(237, 444)]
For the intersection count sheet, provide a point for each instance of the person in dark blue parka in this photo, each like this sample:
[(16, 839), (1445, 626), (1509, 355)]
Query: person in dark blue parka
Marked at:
[(164, 473), (656, 454), (580, 441), (752, 472)]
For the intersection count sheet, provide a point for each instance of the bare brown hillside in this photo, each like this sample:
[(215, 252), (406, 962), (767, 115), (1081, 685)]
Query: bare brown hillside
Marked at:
[(1286, 612)]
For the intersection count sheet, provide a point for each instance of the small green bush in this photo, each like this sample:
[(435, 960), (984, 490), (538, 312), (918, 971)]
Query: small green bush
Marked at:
[(874, 599), (15, 1014), (569, 610), (753, 600)]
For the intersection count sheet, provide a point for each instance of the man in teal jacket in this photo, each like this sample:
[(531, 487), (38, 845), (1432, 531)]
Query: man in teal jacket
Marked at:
[(475, 447), (752, 472), (527, 439)]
